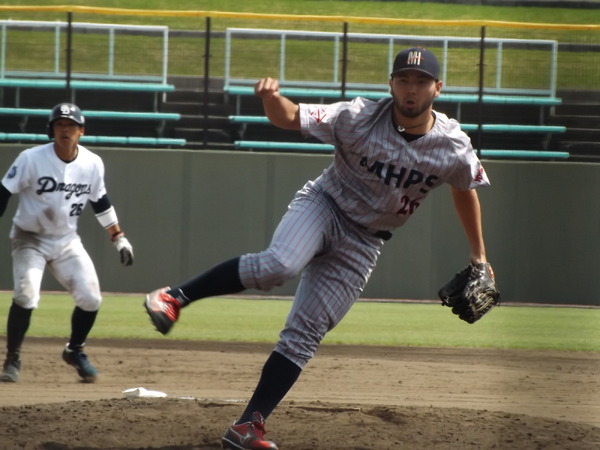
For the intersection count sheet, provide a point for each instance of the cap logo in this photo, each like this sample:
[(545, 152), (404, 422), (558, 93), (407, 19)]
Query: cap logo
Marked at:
[(65, 109), (414, 58)]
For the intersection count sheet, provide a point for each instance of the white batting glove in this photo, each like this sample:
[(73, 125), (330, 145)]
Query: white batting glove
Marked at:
[(124, 248)]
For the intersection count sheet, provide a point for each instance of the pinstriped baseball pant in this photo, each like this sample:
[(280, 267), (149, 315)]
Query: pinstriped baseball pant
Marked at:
[(335, 257)]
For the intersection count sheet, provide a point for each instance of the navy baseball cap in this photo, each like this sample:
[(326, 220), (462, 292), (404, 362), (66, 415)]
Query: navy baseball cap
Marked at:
[(416, 58)]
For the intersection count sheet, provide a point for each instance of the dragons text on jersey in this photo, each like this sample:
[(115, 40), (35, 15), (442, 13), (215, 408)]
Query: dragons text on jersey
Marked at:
[(49, 184)]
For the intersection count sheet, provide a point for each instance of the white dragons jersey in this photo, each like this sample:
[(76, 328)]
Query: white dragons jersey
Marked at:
[(377, 177), (53, 193)]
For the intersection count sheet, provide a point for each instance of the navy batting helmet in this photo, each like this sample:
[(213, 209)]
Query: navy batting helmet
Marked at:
[(65, 111)]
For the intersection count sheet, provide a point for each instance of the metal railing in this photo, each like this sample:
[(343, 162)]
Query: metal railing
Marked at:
[(62, 31), (441, 45)]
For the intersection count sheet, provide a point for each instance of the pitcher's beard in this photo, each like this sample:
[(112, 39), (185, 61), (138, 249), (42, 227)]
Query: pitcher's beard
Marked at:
[(411, 113)]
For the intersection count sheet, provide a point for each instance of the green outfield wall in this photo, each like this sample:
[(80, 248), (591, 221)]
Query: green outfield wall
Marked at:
[(184, 211)]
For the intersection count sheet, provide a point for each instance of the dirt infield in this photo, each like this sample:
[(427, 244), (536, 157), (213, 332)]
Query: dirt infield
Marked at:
[(350, 398)]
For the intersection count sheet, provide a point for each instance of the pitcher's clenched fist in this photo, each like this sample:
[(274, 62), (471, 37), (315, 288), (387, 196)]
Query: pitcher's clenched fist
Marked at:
[(266, 88), (280, 110)]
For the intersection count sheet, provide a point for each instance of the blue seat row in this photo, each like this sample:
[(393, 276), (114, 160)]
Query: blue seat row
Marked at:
[(85, 139), (143, 115), (153, 88), (318, 147), (43, 83), (375, 95), (513, 128)]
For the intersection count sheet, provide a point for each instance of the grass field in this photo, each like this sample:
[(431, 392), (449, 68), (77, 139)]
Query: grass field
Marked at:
[(34, 51), (389, 9), (368, 323)]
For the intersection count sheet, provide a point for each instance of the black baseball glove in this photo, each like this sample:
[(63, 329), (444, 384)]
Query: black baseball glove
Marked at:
[(471, 293)]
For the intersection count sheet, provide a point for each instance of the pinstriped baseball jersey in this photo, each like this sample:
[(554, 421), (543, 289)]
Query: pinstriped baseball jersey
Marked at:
[(377, 177)]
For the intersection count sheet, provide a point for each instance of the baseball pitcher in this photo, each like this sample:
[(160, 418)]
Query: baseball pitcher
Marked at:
[(389, 155)]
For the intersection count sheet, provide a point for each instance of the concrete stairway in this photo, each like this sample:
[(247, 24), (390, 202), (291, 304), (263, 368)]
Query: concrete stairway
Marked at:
[(580, 113), (204, 122)]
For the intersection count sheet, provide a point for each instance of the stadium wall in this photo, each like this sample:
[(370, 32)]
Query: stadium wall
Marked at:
[(184, 211)]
